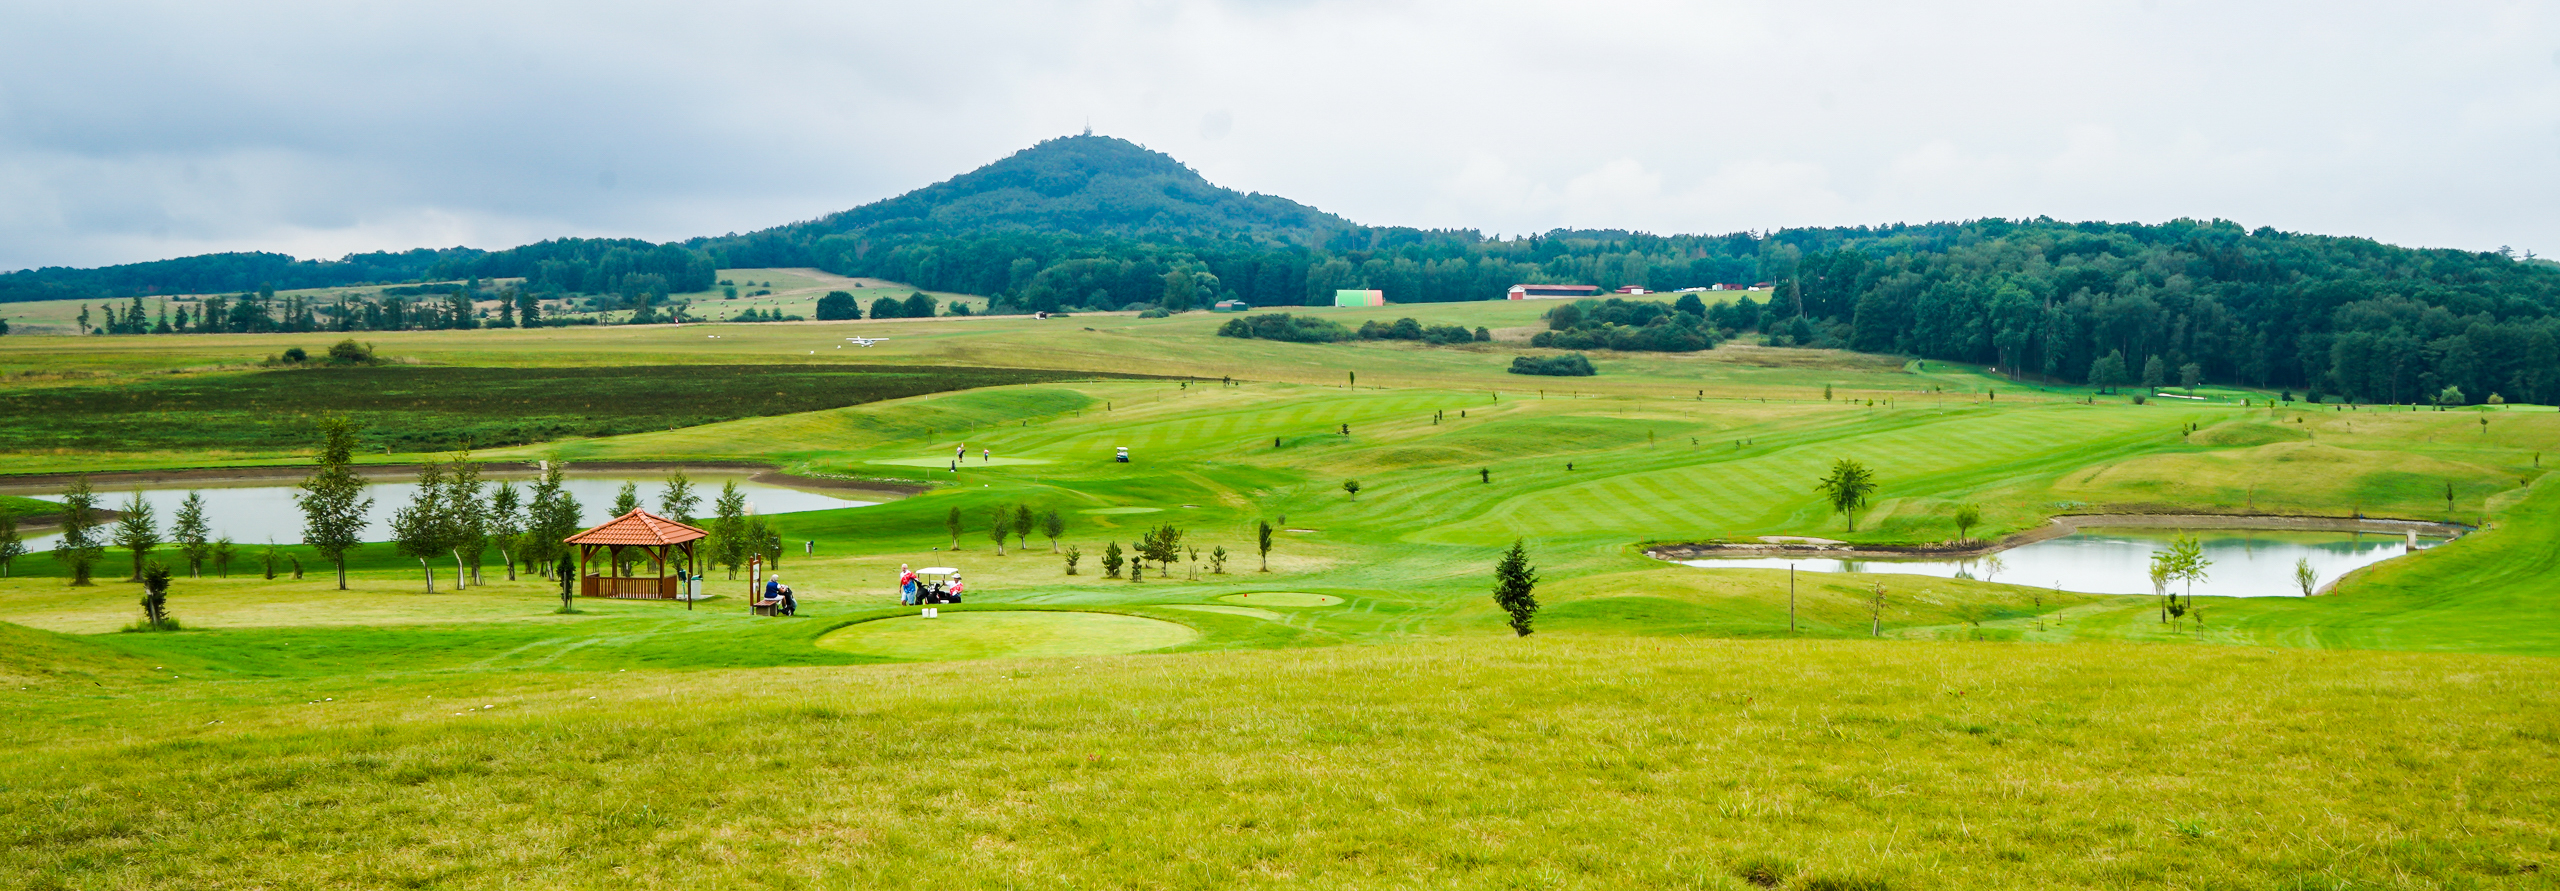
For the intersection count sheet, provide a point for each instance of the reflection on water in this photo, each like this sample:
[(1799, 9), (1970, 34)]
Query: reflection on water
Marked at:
[(264, 511), (2246, 563)]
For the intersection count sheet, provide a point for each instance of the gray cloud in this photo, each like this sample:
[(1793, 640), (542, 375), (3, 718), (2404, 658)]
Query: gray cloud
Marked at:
[(137, 131)]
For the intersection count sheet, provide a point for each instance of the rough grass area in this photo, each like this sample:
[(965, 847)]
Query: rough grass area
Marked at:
[(430, 408), (1555, 762)]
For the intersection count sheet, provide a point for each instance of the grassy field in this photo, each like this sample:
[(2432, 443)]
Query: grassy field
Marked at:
[(1357, 716), (1561, 760)]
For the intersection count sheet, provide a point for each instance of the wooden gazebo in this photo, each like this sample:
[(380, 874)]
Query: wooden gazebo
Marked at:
[(663, 539)]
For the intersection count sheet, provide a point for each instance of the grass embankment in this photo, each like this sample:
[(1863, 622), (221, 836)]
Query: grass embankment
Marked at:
[(1556, 761), (414, 409)]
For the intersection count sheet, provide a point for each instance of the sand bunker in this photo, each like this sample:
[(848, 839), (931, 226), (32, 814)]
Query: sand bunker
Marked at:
[(1283, 598)]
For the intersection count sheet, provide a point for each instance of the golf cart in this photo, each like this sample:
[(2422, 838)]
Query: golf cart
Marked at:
[(1123, 456), (933, 585)]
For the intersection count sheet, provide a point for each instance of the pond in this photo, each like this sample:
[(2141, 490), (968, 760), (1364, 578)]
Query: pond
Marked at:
[(2245, 562), (257, 512)]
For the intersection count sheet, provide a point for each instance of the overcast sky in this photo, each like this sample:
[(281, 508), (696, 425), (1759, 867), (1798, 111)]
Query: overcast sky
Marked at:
[(134, 131)]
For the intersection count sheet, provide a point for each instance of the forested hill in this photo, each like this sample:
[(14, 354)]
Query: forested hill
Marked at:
[(1082, 184), (217, 273)]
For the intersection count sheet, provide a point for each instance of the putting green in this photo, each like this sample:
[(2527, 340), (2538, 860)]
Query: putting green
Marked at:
[(1118, 511), (1006, 633), (1229, 610), (945, 461), (1283, 598)]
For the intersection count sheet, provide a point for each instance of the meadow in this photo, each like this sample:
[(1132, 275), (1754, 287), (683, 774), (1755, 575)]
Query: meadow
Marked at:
[(1358, 716)]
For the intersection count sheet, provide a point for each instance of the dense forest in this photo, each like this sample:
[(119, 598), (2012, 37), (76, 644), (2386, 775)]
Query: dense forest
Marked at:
[(1089, 222)]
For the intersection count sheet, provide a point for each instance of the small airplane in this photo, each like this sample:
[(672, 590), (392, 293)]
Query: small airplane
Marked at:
[(864, 341)]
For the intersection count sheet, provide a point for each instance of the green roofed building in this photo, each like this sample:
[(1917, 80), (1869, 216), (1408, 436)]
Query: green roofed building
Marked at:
[(1360, 298)]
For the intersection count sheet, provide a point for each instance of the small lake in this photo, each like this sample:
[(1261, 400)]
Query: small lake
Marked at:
[(2246, 562), (262, 511)]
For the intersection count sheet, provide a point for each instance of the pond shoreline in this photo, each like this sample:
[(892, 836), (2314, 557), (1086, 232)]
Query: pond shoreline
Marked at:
[(376, 473), (2058, 527)]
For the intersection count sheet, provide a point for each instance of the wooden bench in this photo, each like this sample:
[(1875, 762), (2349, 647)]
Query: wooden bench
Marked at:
[(765, 606)]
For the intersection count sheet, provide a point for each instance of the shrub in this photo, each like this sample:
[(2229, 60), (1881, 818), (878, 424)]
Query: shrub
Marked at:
[(349, 352), (1285, 327), (1567, 365), (838, 306), (296, 355)]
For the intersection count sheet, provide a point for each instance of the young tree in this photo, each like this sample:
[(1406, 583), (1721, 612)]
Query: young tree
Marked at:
[(1001, 526), (419, 528), (466, 516), (1073, 555), (2107, 372), (1111, 560), (190, 531), (138, 531), (333, 501), (1053, 526), (11, 546), (729, 528), (1262, 543), (1875, 610), (1023, 520), (79, 548), (1847, 488), (1218, 560), (2154, 374), (155, 598), (2305, 576), (1163, 545), (677, 500), (506, 525), (269, 558), (1352, 487), (1515, 584), (550, 518), (1967, 517), (951, 523), (2189, 375), (627, 499), (223, 551)]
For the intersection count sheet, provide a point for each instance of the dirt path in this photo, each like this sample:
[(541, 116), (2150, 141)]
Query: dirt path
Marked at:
[(2059, 527)]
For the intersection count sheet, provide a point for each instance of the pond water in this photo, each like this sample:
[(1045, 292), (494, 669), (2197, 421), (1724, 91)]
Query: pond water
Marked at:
[(263, 511), (2245, 562)]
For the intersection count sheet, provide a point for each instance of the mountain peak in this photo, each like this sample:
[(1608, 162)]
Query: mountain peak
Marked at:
[(1086, 183)]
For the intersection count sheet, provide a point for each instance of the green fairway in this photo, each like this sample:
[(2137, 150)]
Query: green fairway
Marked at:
[(995, 634)]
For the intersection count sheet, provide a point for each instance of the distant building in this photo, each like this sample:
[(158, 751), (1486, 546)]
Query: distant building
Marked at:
[(1550, 292), (1360, 298), (1632, 289), (1231, 306)]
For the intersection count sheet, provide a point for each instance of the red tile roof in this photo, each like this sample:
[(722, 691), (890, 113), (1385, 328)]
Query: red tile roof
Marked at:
[(638, 527)]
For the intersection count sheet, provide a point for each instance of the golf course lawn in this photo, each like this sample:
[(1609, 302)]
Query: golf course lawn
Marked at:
[(992, 634), (1349, 708)]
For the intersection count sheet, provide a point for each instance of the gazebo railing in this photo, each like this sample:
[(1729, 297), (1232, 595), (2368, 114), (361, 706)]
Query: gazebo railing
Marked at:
[(642, 587)]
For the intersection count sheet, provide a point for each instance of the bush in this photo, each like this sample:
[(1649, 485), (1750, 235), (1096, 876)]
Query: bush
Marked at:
[(296, 355), (1625, 325), (349, 352), (1156, 312), (1567, 365), (1282, 326), (838, 306)]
